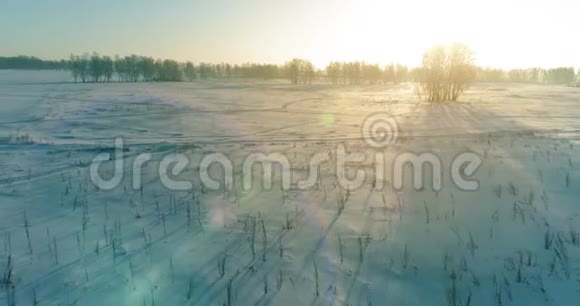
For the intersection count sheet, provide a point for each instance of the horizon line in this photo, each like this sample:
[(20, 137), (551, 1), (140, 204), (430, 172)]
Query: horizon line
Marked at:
[(576, 68)]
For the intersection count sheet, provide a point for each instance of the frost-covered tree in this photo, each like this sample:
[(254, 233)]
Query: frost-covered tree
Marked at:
[(108, 68), (446, 72), (96, 70), (189, 71), (147, 68), (84, 68), (561, 75), (299, 71), (169, 71), (333, 71), (75, 67)]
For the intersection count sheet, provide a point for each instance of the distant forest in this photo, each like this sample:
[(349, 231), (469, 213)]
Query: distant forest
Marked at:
[(96, 68), (32, 63)]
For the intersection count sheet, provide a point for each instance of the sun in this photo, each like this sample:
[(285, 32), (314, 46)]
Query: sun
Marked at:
[(383, 32)]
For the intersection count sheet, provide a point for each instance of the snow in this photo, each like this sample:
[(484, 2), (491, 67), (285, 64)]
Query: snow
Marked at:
[(410, 247)]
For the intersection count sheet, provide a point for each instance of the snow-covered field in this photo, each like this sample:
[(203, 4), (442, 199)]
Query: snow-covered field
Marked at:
[(515, 241)]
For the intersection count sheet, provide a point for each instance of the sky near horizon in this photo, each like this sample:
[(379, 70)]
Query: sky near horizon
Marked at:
[(503, 33)]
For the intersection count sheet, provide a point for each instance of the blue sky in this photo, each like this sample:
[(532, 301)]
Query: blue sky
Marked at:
[(509, 34)]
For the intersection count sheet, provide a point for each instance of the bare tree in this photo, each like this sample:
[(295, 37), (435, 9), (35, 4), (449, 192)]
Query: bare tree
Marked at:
[(96, 70), (446, 72), (147, 68), (75, 67), (189, 71), (108, 68)]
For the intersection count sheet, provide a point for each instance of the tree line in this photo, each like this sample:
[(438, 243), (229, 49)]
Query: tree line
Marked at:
[(357, 73), (560, 75), (30, 62), (134, 68)]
